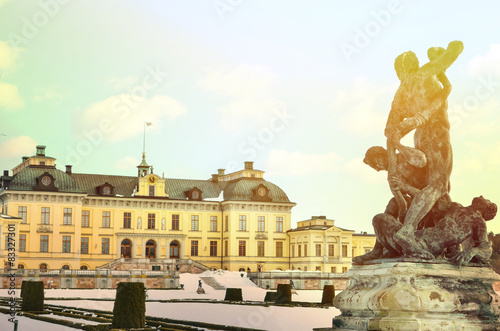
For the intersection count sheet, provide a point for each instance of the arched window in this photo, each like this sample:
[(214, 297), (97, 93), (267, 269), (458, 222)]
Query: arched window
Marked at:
[(150, 249), (20, 266), (174, 249), (84, 267), (126, 249), (65, 267), (43, 266)]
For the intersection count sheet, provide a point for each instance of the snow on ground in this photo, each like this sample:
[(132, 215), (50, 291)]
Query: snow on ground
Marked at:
[(28, 324), (266, 318)]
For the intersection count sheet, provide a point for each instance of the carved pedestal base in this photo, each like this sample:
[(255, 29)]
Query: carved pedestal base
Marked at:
[(418, 296)]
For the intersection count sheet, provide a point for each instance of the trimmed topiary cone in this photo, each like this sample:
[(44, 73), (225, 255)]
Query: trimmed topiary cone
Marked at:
[(233, 294), (33, 296), (328, 295), (129, 310), (283, 294)]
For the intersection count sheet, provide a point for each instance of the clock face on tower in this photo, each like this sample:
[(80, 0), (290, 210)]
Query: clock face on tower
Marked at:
[(262, 191), (46, 180), (152, 179)]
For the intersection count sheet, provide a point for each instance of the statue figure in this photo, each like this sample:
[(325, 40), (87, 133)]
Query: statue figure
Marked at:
[(139, 223), (420, 105), (456, 226)]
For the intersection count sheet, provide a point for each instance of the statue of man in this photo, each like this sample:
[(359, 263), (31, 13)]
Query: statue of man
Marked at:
[(420, 104)]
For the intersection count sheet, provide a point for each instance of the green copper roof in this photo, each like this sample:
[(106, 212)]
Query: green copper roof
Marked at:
[(124, 185), (25, 180), (242, 189)]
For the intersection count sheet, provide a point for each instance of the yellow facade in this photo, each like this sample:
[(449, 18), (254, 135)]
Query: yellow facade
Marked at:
[(318, 245), (235, 221)]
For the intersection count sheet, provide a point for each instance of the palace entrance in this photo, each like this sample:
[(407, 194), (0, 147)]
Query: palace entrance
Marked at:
[(150, 249), (174, 249), (126, 249)]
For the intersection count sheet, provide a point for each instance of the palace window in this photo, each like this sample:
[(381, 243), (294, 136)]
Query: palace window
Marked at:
[(305, 249), (44, 243), (106, 219), (66, 247), (279, 249), (279, 224), (293, 250), (333, 270), (84, 247), (175, 222), (243, 223), (45, 215), (226, 227), (331, 250), (85, 218), (260, 248), (318, 249), (151, 190), (151, 221), (127, 220), (194, 247), (299, 250), (344, 269), (194, 223), (242, 248), (344, 250), (213, 248), (213, 223), (105, 246), (22, 243), (226, 248), (22, 212), (68, 212), (261, 224)]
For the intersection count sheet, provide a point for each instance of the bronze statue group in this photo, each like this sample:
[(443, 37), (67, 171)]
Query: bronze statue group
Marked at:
[(421, 222)]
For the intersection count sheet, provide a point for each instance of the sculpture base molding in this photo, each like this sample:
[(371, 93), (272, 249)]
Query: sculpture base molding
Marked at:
[(398, 295)]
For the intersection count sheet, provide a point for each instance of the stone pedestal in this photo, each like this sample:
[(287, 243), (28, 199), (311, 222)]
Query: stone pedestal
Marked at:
[(398, 295)]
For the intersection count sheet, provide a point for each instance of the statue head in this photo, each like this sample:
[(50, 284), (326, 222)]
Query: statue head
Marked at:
[(376, 157), (487, 208), (406, 64)]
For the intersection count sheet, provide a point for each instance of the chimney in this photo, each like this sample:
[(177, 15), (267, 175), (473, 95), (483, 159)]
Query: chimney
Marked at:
[(25, 158), (248, 165), (221, 172), (68, 169), (6, 173), (40, 150), (215, 178)]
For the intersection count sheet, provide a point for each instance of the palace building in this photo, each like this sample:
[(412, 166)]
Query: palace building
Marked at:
[(234, 221)]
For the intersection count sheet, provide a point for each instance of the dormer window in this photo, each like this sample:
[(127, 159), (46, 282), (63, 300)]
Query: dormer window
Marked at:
[(45, 182), (105, 189), (194, 194), (261, 193)]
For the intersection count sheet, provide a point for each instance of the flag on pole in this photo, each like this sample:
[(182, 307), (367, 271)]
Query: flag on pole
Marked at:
[(149, 123)]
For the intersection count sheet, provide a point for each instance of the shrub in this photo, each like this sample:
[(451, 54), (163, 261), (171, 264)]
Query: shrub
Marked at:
[(270, 296), (129, 310), (283, 294), (328, 295), (233, 294), (33, 296)]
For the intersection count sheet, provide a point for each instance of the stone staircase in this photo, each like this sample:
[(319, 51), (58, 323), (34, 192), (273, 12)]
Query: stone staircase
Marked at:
[(210, 281)]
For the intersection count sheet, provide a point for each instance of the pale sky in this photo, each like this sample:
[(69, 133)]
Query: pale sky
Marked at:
[(303, 88)]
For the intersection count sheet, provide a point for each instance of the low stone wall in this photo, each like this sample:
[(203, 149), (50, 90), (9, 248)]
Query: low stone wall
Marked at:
[(90, 279), (314, 280)]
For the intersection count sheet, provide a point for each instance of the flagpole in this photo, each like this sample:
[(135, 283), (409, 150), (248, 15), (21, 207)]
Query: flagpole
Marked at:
[(144, 139)]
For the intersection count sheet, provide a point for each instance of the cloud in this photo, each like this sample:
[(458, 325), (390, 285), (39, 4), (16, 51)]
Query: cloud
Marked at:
[(127, 163), (49, 93), (120, 84), (363, 107), (17, 147), (9, 97), (122, 116), (285, 163), (8, 54), (486, 64), (248, 90)]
